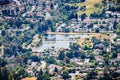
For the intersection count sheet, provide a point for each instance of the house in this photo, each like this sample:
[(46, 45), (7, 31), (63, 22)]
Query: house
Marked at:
[(96, 51), (108, 13), (118, 41), (118, 15), (98, 58), (99, 46), (30, 72), (36, 54), (63, 25), (118, 56), (100, 73), (1, 19), (112, 68)]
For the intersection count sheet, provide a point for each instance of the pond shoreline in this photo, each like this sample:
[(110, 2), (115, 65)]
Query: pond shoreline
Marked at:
[(74, 33), (61, 41)]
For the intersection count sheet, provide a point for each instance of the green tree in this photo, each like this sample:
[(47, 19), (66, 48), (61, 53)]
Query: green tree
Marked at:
[(61, 55), (77, 54), (3, 2), (65, 75), (118, 29), (52, 6), (3, 63), (20, 74), (55, 70), (114, 55), (4, 73), (43, 76), (69, 54), (35, 58), (0, 43), (3, 33), (50, 60), (97, 30), (83, 16)]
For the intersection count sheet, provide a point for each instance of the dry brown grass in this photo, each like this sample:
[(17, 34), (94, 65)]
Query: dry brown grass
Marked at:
[(34, 42), (89, 6), (97, 35), (30, 78)]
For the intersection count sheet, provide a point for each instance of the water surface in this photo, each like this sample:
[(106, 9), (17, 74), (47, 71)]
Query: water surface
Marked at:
[(58, 41)]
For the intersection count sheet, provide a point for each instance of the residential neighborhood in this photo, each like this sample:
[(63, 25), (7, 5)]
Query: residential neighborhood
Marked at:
[(60, 40)]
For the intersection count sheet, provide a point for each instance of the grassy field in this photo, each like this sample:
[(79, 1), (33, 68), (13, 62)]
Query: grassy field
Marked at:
[(90, 8)]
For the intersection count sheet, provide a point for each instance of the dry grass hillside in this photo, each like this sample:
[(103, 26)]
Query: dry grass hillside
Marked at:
[(90, 8)]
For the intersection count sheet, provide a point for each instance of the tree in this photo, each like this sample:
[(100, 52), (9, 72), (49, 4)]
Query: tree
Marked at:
[(20, 74), (42, 28), (83, 8), (67, 7), (73, 16), (82, 0), (55, 70), (118, 29), (114, 55), (8, 51), (91, 75), (83, 16), (4, 73), (52, 6), (77, 54), (25, 60), (67, 60), (40, 72), (83, 56), (0, 43), (65, 75), (67, 30), (3, 2), (50, 60), (35, 59), (74, 46), (48, 24), (3, 33), (44, 5), (61, 55), (92, 57), (69, 54), (43, 76), (97, 30), (3, 63)]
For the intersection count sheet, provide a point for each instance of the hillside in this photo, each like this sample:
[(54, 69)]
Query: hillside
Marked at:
[(90, 8)]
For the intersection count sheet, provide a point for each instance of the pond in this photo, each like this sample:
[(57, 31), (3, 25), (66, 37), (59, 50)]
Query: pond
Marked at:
[(57, 41)]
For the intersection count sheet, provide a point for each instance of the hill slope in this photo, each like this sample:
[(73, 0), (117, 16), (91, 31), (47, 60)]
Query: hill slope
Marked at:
[(90, 8)]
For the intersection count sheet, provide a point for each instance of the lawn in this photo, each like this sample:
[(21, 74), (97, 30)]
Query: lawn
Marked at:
[(90, 8)]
